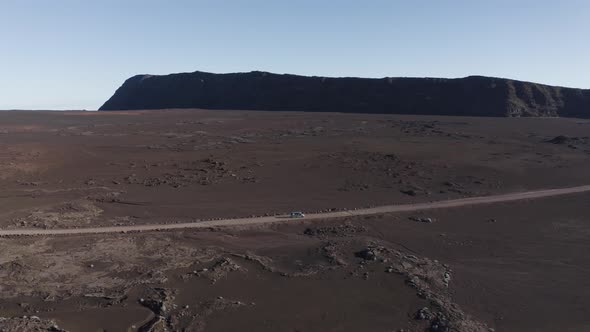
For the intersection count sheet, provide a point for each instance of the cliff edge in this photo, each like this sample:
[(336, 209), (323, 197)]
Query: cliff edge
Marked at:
[(470, 96)]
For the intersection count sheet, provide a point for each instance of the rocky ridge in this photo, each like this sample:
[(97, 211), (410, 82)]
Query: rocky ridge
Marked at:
[(469, 96)]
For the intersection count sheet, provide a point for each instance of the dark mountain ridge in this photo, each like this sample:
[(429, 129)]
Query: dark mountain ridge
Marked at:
[(470, 96)]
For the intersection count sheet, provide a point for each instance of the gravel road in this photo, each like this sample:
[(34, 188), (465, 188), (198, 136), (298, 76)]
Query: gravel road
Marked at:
[(328, 215)]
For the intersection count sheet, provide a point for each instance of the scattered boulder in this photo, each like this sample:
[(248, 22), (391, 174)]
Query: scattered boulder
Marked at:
[(447, 277), (368, 254), (409, 192), (561, 139), (424, 220), (424, 314), (439, 324), (157, 306)]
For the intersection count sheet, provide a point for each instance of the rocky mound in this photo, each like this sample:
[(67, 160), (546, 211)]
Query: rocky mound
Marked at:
[(474, 95)]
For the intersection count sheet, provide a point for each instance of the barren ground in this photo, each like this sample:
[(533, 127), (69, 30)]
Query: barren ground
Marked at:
[(517, 266)]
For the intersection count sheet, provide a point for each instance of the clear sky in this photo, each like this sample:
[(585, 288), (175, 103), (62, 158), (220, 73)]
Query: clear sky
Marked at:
[(73, 54)]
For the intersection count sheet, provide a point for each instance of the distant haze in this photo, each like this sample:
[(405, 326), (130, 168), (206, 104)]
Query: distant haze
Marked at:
[(70, 54)]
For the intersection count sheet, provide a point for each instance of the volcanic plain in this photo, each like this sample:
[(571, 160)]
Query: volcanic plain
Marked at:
[(507, 266)]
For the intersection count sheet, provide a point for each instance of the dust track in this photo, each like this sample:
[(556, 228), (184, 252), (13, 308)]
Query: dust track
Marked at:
[(275, 219)]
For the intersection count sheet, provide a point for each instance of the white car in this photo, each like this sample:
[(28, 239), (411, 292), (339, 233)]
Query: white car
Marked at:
[(297, 214)]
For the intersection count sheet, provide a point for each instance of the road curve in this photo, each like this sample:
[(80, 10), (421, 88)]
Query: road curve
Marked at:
[(275, 219)]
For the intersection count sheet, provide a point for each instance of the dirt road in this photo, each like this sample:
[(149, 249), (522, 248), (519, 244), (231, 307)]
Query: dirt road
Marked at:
[(328, 215)]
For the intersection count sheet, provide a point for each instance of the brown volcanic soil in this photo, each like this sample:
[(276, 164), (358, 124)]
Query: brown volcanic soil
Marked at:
[(72, 169), (517, 266)]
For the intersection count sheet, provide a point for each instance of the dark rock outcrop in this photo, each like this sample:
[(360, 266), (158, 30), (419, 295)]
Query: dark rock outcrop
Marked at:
[(474, 95)]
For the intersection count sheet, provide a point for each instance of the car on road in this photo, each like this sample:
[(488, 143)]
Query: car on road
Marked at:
[(297, 214)]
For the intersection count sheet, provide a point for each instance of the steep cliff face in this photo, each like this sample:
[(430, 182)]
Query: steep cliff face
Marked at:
[(474, 95)]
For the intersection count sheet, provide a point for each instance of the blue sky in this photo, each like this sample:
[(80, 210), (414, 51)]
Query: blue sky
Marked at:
[(66, 54)]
